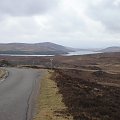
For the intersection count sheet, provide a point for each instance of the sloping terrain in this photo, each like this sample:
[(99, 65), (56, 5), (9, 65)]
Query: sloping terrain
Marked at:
[(85, 96), (38, 48), (89, 84), (49, 104), (111, 49)]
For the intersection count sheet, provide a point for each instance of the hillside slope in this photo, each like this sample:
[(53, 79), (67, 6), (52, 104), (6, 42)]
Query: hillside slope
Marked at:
[(111, 49), (38, 48)]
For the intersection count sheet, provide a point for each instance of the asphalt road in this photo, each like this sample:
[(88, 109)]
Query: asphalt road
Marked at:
[(17, 94)]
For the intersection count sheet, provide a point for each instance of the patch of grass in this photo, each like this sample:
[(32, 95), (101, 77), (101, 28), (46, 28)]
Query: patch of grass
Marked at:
[(50, 105), (2, 73)]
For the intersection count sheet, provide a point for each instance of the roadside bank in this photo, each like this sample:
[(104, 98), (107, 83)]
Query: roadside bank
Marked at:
[(49, 104)]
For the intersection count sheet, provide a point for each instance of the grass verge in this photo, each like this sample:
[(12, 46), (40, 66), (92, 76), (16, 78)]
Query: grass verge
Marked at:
[(49, 104), (2, 73)]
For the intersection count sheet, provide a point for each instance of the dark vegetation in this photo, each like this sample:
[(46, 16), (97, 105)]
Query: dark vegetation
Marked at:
[(109, 61), (85, 98), (90, 84), (4, 63)]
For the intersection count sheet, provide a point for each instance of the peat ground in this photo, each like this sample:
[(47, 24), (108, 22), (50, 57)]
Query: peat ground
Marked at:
[(85, 98)]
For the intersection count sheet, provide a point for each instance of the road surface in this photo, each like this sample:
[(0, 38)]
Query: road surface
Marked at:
[(17, 93)]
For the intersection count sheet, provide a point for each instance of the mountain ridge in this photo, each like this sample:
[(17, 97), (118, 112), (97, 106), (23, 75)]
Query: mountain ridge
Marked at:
[(111, 49), (33, 48)]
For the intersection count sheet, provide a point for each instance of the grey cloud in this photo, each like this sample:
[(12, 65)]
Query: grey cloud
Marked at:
[(67, 22), (108, 13), (25, 7), (63, 23)]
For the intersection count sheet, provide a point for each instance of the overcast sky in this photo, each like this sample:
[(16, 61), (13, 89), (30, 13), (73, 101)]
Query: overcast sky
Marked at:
[(76, 23)]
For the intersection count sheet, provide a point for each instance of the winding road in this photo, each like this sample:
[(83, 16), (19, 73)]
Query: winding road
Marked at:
[(17, 94)]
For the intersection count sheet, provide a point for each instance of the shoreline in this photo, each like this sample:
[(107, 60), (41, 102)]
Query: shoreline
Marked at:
[(45, 55)]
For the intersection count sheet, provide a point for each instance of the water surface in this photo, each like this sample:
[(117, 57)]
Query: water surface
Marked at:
[(82, 52)]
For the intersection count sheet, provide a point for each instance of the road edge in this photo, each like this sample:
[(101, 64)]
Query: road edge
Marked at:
[(33, 95)]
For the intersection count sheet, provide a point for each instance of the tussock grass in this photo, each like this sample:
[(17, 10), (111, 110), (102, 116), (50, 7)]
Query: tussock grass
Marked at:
[(50, 105), (2, 73)]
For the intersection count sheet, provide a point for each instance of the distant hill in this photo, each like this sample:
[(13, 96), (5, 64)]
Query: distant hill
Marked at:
[(111, 49), (45, 48)]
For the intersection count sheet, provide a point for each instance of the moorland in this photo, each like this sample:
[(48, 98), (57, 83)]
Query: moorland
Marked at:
[(89, 84)]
